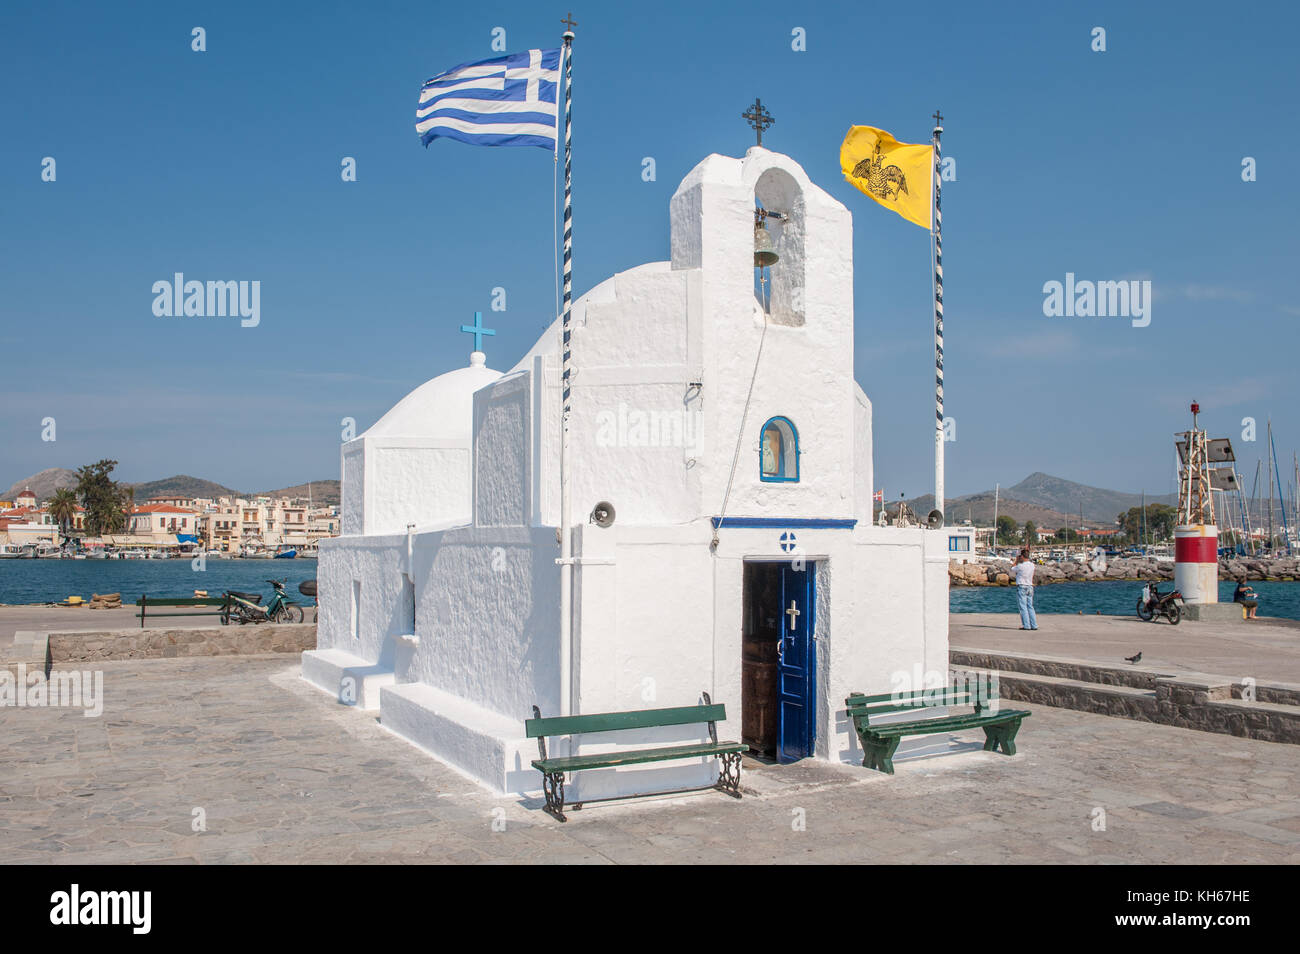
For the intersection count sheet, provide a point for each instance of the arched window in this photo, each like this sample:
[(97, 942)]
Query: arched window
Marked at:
[(778, 451)]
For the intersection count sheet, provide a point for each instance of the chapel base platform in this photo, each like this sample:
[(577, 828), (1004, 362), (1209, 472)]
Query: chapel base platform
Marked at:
[(483, 744), (349, 678)]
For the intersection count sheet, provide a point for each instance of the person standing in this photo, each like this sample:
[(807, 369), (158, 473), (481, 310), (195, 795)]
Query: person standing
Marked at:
[(1024, 573)]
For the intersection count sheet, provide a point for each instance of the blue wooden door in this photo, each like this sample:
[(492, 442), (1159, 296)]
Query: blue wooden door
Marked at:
[(796, 677)]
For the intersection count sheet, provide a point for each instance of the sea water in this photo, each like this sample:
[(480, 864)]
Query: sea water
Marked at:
[(1109, 597), (53, 581)]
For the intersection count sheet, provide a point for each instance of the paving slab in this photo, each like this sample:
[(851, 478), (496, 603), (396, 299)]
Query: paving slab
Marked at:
[(235, 760)]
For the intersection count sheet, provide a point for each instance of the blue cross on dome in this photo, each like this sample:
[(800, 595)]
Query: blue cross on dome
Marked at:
[(477, 330)]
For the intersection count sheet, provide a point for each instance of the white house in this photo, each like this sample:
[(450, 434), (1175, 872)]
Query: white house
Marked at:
[(734, 446)]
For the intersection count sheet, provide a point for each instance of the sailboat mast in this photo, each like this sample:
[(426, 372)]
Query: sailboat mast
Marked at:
[(1268, 485), (1281, 501), (996, 488), (1254, 502)]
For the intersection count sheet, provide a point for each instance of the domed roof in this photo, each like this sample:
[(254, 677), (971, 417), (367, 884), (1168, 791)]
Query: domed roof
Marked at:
[(441, 408)]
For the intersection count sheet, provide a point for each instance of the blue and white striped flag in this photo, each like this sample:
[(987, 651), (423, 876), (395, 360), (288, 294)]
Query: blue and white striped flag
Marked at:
[(505, 101)]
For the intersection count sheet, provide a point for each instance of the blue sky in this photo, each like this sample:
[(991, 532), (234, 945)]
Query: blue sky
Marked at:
[(225, 165)]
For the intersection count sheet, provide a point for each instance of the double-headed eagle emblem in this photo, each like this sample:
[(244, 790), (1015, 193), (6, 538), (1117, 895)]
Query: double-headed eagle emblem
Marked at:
[(884, 182)]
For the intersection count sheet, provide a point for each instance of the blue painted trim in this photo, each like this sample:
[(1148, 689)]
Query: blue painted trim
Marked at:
[(782, 523), (780, 464)]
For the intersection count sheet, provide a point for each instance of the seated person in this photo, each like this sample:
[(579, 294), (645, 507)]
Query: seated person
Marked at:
[(1246, 597)]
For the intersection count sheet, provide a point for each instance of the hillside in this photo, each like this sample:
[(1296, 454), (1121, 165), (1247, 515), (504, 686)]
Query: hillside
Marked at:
[(1046, 500), (182, 485), (324, 493), (978, 508), (1056, 493), (44, 483)]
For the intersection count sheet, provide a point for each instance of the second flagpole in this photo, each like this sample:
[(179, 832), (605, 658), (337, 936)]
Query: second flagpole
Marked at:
[(566, 516), (936, 232)]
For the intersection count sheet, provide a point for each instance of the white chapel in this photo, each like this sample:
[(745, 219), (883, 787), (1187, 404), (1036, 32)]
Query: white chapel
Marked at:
[(721, 487)]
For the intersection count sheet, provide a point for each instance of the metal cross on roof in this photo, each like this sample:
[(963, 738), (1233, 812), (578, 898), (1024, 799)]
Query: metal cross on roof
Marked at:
[(938, 118), (477, 330), (569, 22), (758, 117)]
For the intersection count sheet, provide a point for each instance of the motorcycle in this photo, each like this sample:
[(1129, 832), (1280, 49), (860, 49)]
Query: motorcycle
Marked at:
[(248, 608), (308, 588), (1154, 603)]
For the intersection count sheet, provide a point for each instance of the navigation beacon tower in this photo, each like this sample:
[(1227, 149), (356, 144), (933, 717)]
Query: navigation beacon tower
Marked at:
[(1196, 537)]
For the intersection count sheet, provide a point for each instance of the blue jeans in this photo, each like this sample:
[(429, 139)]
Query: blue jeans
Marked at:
[(1025, 597)]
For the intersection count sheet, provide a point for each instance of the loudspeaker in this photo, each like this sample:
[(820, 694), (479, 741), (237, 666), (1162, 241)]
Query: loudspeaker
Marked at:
[(602, 515)]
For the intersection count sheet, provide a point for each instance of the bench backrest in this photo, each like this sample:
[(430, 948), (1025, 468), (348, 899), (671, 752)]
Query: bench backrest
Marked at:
[(890, 702), (617, 721), (192, 601)]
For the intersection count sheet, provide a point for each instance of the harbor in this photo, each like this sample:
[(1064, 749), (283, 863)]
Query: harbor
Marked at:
[(30, 582)]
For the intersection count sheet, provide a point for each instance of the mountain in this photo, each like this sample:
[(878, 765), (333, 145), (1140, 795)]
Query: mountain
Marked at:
[(1098, 505), (1046, 500), (323, 493), (978, 508), (44, 483), (182, 485)]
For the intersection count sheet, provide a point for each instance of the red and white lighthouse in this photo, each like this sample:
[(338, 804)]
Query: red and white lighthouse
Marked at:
[(1196, 562), (1196, 537)]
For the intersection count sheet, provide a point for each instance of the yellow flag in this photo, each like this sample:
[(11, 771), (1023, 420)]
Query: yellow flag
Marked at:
[(895, 174)]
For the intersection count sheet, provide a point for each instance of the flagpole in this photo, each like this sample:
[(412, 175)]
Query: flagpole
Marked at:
[(937, 244), (566, 521)]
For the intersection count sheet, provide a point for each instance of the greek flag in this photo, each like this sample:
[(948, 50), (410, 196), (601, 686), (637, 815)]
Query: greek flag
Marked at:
[(505, 101)]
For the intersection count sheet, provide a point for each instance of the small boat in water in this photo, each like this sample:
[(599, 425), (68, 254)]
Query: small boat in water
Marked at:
[(286, 553), (9, 551)]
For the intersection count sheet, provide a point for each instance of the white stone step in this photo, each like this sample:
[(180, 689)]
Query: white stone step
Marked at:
[(483, 744), (349, 678)]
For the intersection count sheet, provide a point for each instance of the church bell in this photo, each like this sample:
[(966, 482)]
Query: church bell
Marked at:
[(764, 250)]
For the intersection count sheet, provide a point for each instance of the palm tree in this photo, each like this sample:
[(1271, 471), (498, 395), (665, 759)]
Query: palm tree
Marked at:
[(63, 508)]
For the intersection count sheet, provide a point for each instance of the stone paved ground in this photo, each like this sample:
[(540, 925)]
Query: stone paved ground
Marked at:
[(1269, 650), (285, 774)]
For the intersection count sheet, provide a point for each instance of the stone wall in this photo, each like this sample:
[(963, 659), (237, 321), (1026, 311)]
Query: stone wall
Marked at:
[(169, 643), (1145, 569), (1188, 700)]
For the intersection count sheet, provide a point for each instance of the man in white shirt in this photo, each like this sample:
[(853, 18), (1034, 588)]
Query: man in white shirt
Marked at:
[(1024, 573)]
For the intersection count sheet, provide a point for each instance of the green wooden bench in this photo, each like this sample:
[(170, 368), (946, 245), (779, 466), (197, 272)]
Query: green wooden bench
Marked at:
[(554, 769), (880, 740), (146, 603)]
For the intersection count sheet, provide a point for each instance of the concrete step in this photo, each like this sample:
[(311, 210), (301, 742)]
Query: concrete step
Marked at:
[(1201, 701), (1083, 670)]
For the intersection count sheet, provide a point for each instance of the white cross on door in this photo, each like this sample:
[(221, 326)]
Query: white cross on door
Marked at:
[(793, 613)]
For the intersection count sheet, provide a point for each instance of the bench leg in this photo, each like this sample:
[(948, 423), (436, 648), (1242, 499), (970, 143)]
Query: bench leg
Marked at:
[(553, 787), (1001, 737), (729, 774), (880, 754)]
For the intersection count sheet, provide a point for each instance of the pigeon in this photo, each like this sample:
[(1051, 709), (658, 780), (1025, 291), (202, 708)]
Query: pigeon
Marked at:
[(1134, 659)]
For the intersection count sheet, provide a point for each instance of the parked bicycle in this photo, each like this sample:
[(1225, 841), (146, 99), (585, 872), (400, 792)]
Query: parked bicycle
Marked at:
[(248, 608)]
